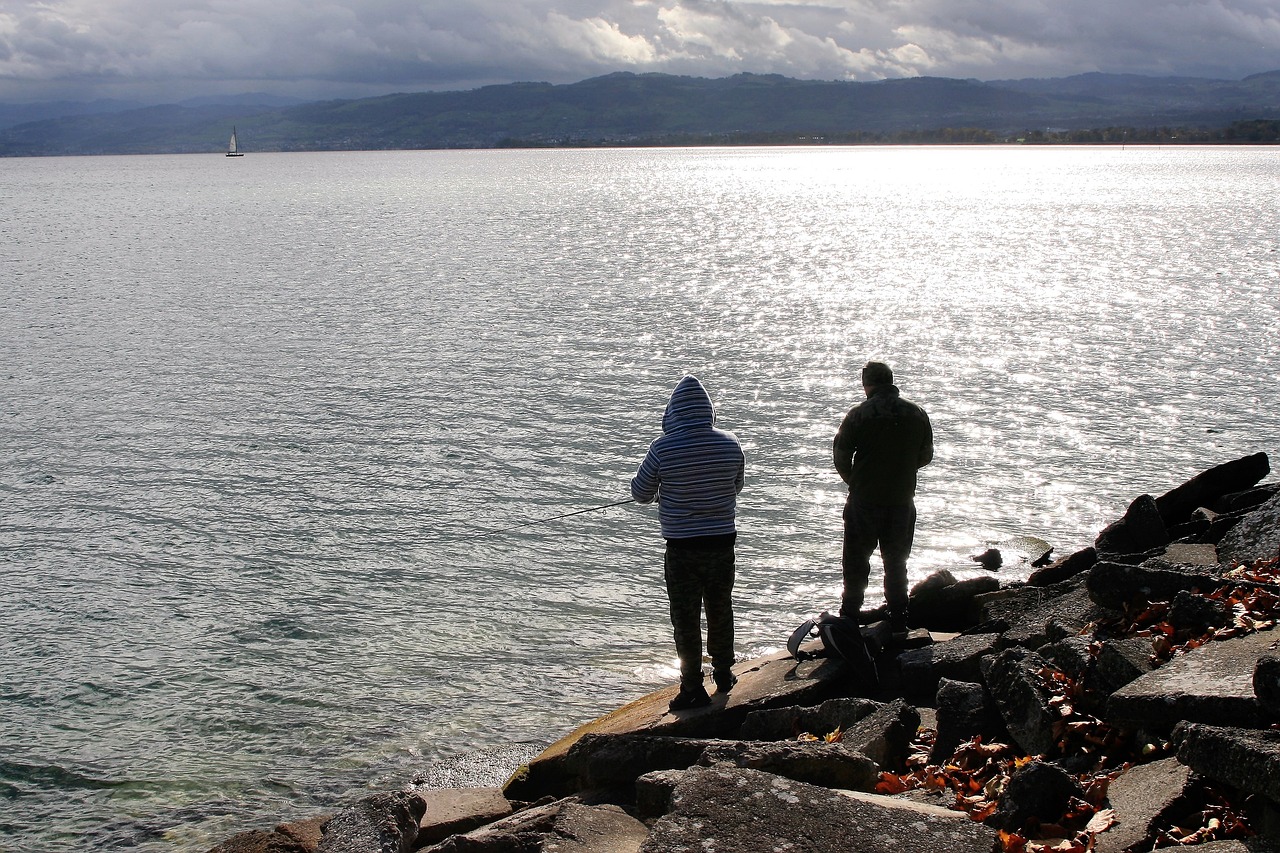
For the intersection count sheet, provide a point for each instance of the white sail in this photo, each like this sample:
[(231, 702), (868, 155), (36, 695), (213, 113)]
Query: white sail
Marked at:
[(232, 147)]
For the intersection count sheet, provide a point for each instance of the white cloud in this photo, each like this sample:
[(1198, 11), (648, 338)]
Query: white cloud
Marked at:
[(317, 48)]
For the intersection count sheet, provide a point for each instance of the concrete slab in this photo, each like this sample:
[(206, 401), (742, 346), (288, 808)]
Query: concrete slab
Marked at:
[(1212, 684), (451, 811)]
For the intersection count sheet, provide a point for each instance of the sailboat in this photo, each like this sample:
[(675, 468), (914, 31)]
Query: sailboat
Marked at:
[(232, 148)]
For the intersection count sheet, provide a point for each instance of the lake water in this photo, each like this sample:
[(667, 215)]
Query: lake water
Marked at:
[(258, 419)]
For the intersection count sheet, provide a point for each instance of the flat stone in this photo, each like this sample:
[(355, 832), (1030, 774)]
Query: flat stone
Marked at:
[(1120, 662), (832, 765), (1139, 798), (451, 811), (958, 659), (770, 682), (747, 811), (1211, 684), (1191, 554)]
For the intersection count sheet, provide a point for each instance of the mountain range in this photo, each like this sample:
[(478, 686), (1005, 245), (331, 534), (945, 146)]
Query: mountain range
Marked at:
[(625, 108)]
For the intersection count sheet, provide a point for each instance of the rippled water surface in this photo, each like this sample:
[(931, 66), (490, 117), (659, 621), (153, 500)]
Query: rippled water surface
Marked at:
[(259, 416)]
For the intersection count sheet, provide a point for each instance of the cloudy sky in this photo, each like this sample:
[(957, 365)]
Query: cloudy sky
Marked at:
[(164, 50)]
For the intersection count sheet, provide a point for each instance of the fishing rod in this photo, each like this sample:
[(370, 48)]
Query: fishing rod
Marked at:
[(483, 533), (495, 531)]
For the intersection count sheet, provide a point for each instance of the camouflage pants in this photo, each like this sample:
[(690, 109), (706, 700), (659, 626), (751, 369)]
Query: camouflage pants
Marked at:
[(698, 579), (866, 526)]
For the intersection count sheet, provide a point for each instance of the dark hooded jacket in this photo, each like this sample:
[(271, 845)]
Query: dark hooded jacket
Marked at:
[(694, 470), (880, 446)]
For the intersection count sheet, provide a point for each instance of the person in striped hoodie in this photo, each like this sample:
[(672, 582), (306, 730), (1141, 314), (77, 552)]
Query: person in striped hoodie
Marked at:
[(695, 471)]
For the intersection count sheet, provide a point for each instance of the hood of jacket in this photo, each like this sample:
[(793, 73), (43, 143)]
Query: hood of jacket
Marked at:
[(690, 406)]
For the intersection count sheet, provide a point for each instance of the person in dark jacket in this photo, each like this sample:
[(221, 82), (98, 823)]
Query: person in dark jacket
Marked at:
[(695, 471), (880, 446)]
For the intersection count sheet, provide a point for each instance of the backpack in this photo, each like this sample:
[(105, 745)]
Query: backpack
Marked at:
[(842, 639)]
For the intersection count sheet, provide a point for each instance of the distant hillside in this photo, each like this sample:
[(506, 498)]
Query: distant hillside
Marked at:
[(657, 108)]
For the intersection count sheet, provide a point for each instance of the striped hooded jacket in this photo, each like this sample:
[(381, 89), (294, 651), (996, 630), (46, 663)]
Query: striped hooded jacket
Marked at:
[(694, 470)]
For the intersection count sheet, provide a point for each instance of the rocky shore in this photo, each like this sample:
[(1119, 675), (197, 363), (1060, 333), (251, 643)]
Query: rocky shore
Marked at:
[(1123, 698)]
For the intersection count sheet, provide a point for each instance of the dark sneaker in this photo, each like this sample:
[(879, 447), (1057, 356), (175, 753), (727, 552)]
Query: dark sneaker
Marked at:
[(690, 698), (724, 679)]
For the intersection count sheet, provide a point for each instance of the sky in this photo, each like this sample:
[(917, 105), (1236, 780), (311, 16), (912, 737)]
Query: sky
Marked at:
[(159, 51)]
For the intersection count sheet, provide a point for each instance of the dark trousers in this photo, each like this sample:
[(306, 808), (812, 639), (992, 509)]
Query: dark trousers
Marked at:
[(698, 579), (892, 528)]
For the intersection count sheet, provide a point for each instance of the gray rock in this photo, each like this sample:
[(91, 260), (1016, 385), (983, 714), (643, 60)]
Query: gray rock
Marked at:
[(450, 811), (382, 823), (1140, 530), (1071, 655), (746, 811), (885, 736), (1139, 798), (1037, 615), (1121, 661), (1243, 758), (1195, 614), (958, 659), (565, 826), (963, 710), (1211, 684), (787, 723), (262, 841), (1038, 790), (1266, 683), (1064, 568), (1254, 537), (653, 793), (832, 765), (1208, 487), (1011, 678)]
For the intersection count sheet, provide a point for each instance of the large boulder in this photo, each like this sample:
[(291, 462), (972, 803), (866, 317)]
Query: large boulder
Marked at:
[(1208, 487), (1254, 537), (747, 811), (1141, 529)]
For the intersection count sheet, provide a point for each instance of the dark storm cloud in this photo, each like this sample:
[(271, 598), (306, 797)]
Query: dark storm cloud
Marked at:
[(175, 48)]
